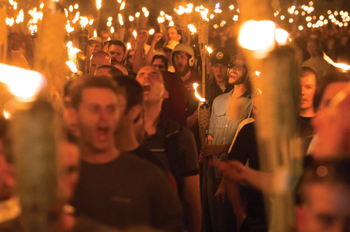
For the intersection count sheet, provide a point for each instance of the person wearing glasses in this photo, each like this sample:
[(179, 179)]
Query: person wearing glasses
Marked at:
[(228, 111)]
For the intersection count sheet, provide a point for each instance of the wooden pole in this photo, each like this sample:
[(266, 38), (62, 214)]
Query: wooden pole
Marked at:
[(34, 146)]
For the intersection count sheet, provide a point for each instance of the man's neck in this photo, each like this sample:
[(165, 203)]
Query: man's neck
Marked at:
[(238, 90), (221, 83), (307, 113), (187, 76), (125, 140), (152, 113), (95, 157)]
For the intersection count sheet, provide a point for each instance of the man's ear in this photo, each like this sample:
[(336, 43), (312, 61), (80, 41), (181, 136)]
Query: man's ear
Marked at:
[(166, 94), (178, 37), (135, 113)]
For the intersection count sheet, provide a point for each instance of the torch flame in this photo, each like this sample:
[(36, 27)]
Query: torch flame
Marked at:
[(131, 18), (98, 4), (95, 33), (122, 6), (120, 18), (6, 114), (20, 17), (84, 21), (72, 66), (22, 83), (195, 85), (342, 66), (134, 33)]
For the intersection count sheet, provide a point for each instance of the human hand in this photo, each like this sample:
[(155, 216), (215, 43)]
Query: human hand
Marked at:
[(156, 38), (142, 37), (232, 170), (220, 194), (209, 150)]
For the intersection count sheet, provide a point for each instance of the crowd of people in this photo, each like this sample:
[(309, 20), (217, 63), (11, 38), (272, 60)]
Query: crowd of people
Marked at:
[(133, 159)]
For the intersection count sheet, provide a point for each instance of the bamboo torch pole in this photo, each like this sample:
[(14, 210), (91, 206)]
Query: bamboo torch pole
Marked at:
[(279, 145)]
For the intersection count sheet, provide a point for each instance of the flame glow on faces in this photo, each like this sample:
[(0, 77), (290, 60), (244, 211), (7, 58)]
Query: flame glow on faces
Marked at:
[(258, 36), (72, 66), (342, 66), (22, 83), (195, 85)]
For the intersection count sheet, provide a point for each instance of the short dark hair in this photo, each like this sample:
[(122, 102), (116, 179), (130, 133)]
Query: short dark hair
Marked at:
[(117, 43), (133, 91), (85, 82), (334, 77), (163, 58), (305, 71), (113, 71)]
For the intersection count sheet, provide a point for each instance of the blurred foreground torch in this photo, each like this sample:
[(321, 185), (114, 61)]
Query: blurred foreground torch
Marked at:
[(279, 144), (203, 42), (34, 146)]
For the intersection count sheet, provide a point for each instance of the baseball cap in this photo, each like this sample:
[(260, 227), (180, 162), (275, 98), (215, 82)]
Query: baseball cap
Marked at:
[(220, 56), (171, 44), (96, 39)]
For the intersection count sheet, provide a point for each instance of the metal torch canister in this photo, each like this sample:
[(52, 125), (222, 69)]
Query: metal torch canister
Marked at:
[(203, 120), (83, 43)]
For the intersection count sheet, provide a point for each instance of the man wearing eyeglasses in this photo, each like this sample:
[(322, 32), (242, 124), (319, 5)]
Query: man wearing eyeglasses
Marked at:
[(228, 111)]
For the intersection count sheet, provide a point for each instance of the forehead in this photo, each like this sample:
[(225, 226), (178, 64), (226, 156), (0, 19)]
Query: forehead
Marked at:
[(116, 48), (217, 65), (98, 95), (238, 61), (94, 43), (150, 70), (100, 58), (182, 54), (308, 79), (172, 30), (158, 61)]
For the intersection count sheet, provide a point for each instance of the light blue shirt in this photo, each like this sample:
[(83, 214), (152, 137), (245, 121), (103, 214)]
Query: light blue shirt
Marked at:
[(223, 128)]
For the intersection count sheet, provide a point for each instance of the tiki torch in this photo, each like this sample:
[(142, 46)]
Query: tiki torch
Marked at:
[(34, 150), (203, 123), (278, 141), (203, 41)]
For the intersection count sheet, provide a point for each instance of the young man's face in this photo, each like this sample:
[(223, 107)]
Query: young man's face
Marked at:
[(237, 73), (152, 83), (117, 54), (308, 87), (94, 46), (181, 64), (220, 71), (131, 55), (327, 208), (172, 34), (97, 117), (98, 60), (159, 64), (331, 123)]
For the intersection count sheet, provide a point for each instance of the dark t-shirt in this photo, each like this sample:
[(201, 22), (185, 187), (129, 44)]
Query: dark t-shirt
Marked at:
[(181, 157), (125, 192), (306, 129)]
